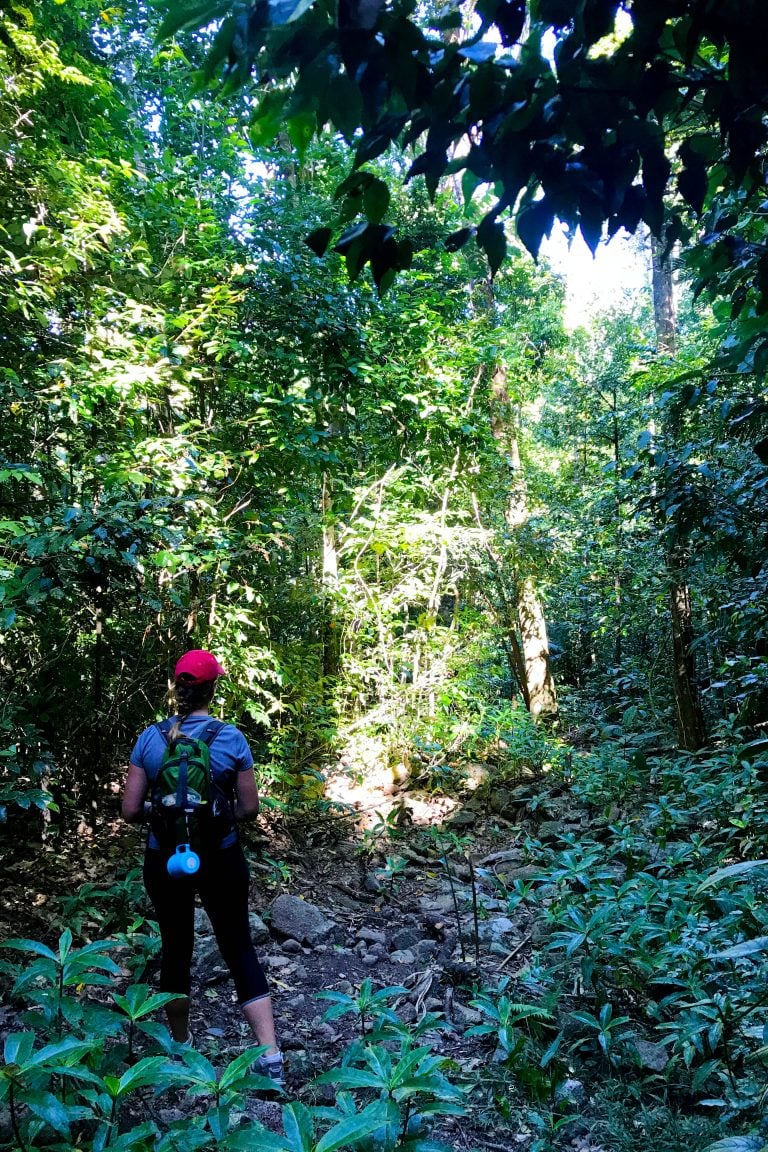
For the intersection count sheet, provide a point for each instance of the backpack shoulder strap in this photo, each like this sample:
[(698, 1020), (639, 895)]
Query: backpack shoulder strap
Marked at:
[(212, 729), (164, 728)]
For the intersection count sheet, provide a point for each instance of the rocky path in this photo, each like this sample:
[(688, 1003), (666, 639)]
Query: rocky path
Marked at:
[(335, 904), (338, 916)]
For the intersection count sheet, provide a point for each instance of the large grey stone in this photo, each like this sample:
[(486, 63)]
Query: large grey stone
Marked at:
[(466, 1015), (259, 930), (371, 936), (207, 955), (495, 927), (571, 1092), (300, 920), (500, 801), (406, 938), (652, 1056)]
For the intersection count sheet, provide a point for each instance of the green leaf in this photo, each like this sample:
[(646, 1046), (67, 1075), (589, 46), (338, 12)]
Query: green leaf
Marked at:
[(240, 1066), (183, 16), (301, 128), (354, 1128), (151, 1071), (350, 1078), (692, 185), (267, 119), (138, 1001), (726, 873), (18, 1047), (376, 201), (34, 946), (737, 1144), (457, 240), (286, 11), (534, 223), (297, 1122), (491, 238), (56, 1114), (254, 1137), (69, 1047), (746, 948), (318, 240)]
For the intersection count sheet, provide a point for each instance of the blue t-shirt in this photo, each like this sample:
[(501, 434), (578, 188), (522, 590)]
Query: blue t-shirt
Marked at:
[(230, 754)]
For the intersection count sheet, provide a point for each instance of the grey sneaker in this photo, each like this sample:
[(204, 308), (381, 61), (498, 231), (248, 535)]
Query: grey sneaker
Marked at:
[(270, 1066)]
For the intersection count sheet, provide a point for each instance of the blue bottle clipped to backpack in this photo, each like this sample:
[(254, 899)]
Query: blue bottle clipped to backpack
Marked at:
[(184, 861)]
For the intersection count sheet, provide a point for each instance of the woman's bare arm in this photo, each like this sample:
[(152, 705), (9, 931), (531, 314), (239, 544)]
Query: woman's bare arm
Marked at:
[(135, 790), (247, 795)]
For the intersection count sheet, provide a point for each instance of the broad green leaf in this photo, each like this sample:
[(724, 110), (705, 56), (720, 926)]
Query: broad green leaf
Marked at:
[(69, 1047), (240, 1066), (286, 11), (533, 224), (65, 945), (297, 1122), (376, 201), (351, 1078), (726, 873), (737, 1144), (354, 1128), (34, 946), (490, 236), (254, 1137), (55, 1113), (152, 1071), (318, 240), (183, 15), (746, 948), (18, 1047)]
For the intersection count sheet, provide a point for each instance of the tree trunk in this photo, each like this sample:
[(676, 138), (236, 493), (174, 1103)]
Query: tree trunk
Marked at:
[(330, 631), (691, 727), (663, 300), (536, 680)]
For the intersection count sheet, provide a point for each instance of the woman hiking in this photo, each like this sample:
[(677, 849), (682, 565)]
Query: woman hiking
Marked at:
[(221, 878)]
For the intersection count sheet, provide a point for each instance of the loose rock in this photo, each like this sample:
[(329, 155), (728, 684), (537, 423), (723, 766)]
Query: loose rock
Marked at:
[(259, 930), (300, 920), (406, 938), (655, 1057), (494, 928), (371, 936)]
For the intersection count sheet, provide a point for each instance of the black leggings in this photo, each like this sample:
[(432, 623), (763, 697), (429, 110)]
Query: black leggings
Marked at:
[(222, 882)]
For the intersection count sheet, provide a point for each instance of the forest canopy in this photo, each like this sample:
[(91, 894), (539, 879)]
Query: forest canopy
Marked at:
[(588, 112)]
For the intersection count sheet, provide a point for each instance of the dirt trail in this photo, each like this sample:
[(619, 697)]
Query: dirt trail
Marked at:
[(350, 918)]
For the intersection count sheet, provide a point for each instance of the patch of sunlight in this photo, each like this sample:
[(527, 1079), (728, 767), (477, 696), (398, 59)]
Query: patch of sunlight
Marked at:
[(367, 782)]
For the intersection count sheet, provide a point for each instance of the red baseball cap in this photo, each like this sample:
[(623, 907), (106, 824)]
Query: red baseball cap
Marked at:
[(198, 665)]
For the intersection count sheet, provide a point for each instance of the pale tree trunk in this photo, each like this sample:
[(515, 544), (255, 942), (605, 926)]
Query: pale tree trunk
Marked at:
[(531, 654), (691, 727), (330, 575), (435, 595)]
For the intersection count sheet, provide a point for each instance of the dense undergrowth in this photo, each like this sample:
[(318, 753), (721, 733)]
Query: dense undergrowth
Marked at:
[(639, 1017)]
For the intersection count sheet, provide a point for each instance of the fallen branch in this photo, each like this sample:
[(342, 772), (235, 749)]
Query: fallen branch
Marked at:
[(511, 955)]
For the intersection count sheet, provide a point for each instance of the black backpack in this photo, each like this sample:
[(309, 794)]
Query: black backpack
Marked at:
[(187, 806)]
